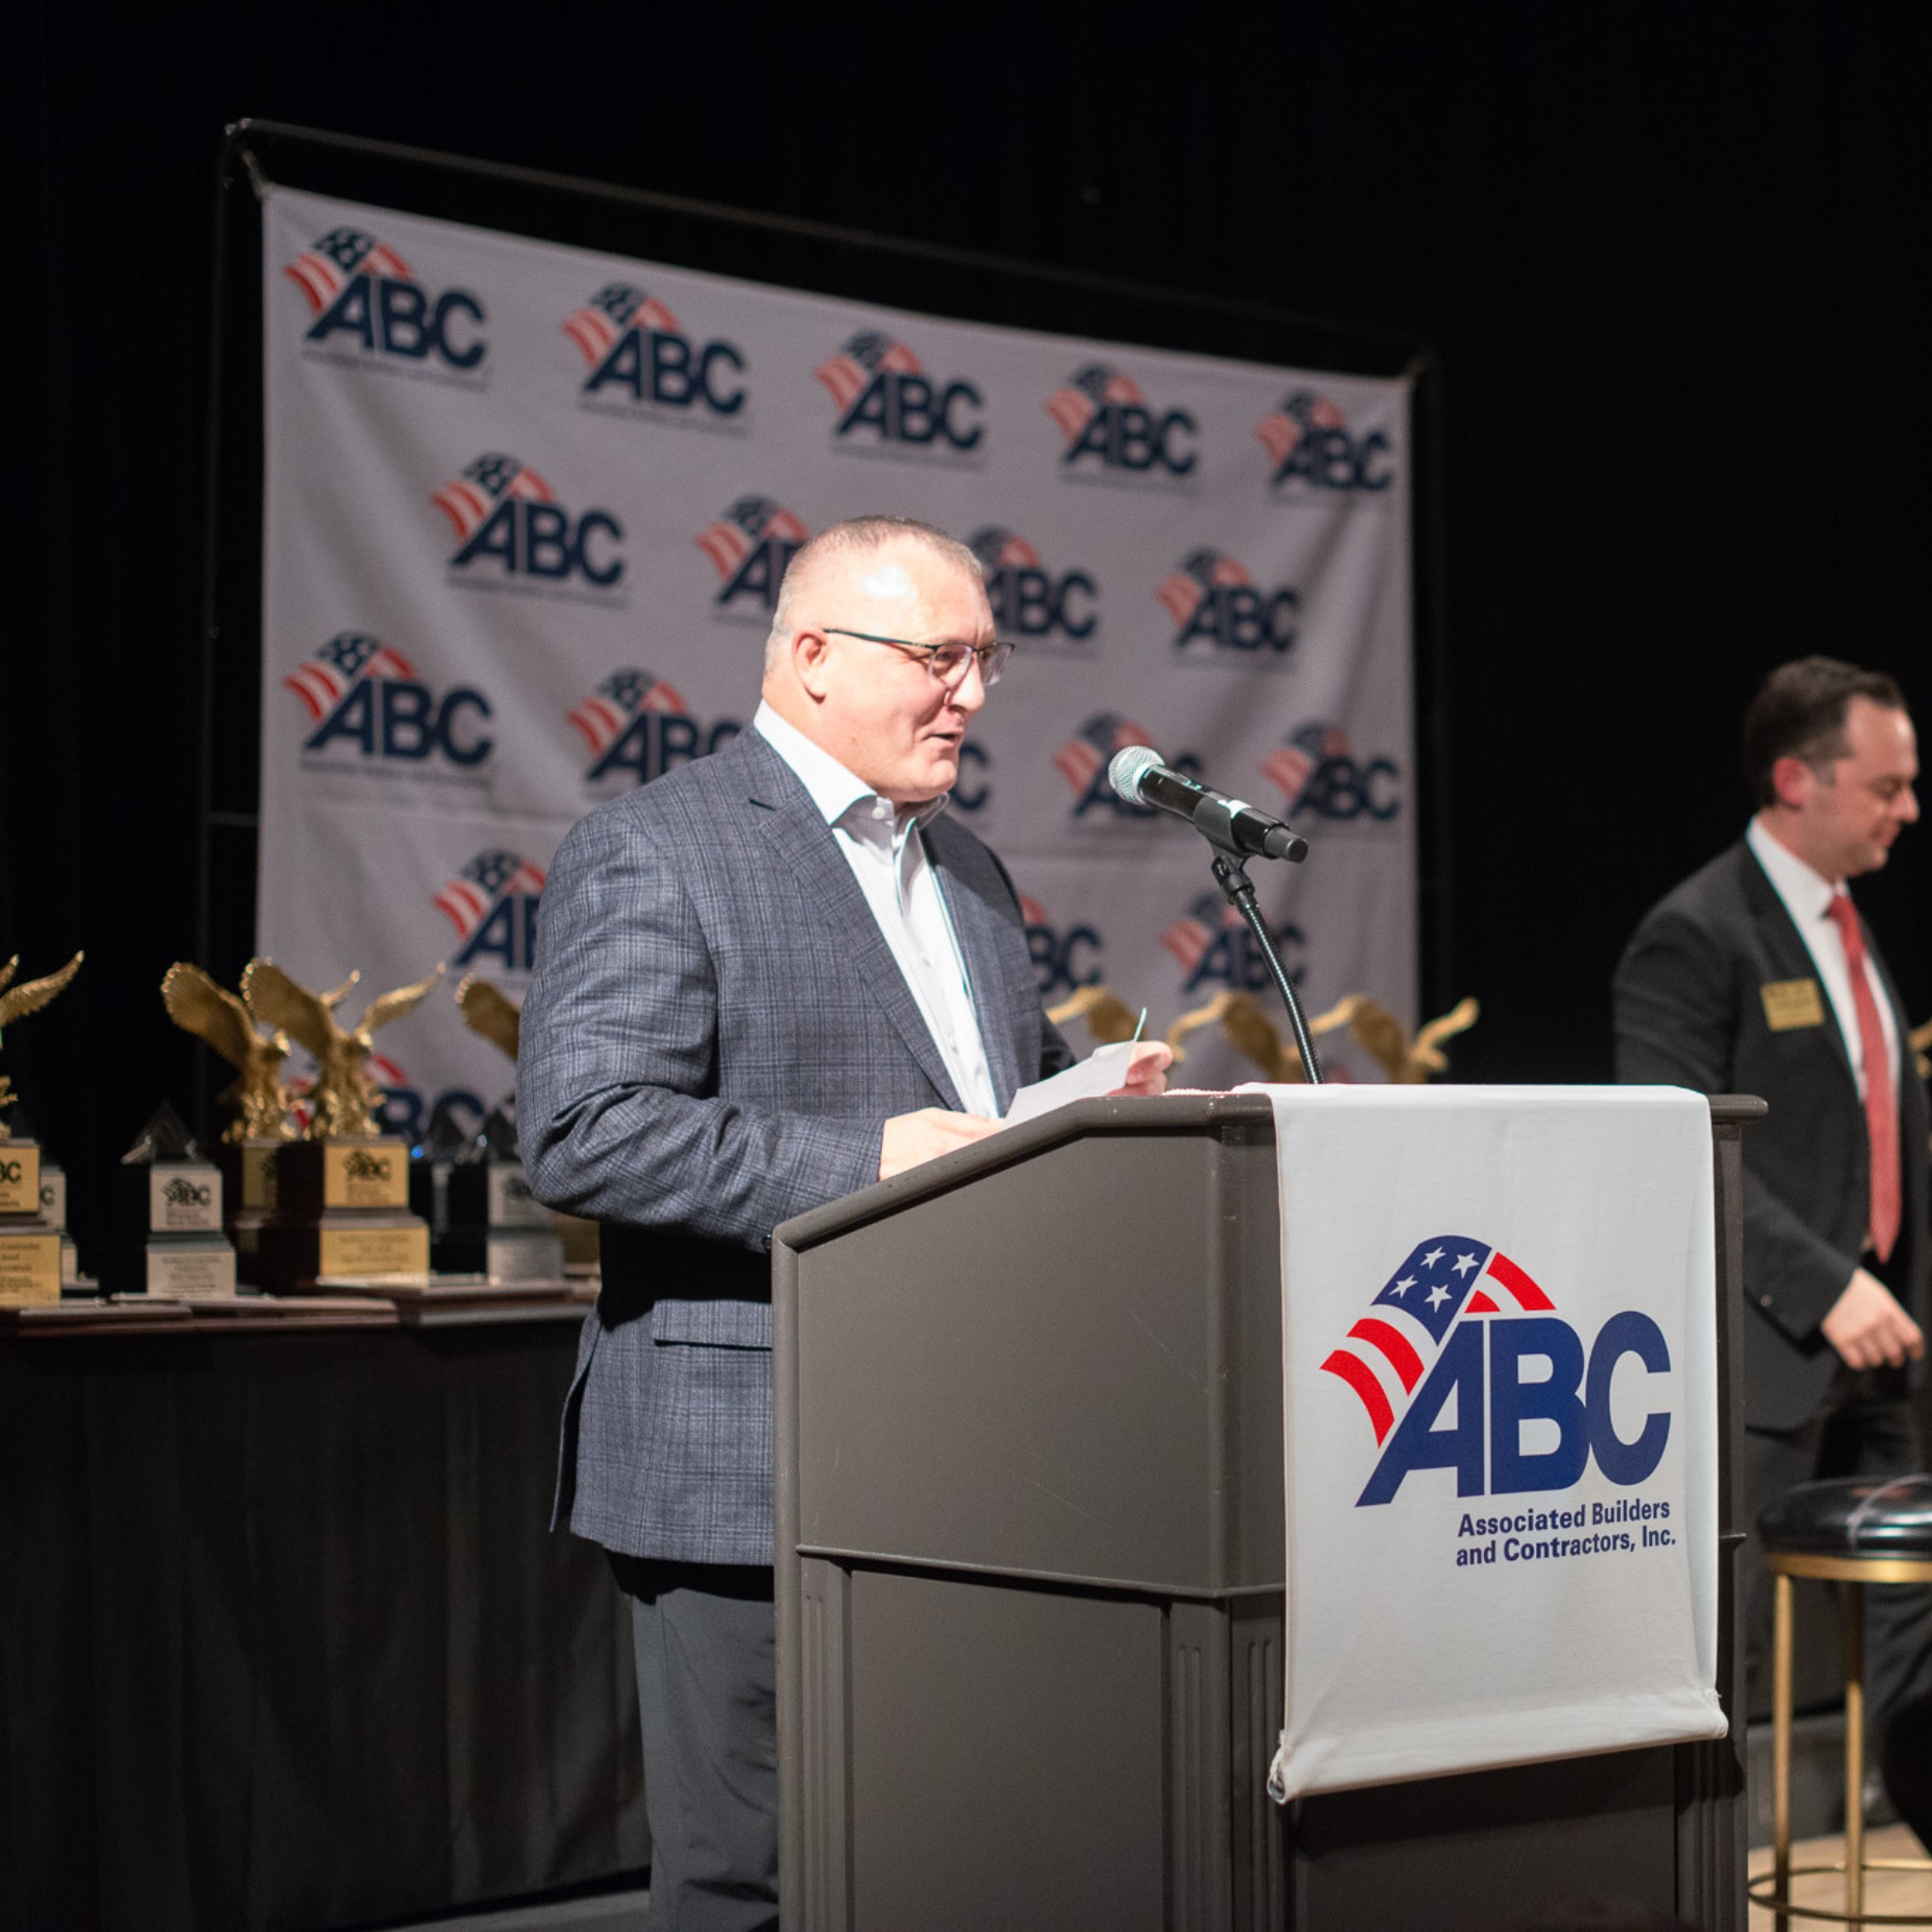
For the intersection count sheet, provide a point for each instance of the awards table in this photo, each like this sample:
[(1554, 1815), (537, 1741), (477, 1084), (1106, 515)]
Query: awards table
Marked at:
[(287, 1639)]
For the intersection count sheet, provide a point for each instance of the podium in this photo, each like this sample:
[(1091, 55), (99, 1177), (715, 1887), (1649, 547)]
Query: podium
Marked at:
[(1030, 1572)]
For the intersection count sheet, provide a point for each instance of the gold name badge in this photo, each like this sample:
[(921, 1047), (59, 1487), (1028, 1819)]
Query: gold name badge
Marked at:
[(1791, 1003), (376, 1176), (29, 1268), (366, 1251), (20, 1179)]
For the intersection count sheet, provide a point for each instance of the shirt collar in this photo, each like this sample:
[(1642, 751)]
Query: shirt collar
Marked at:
[(834, 789), (1806, 893)]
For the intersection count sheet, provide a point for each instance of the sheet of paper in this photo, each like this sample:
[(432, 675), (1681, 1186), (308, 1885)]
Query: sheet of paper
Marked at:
[(1100, 1072)]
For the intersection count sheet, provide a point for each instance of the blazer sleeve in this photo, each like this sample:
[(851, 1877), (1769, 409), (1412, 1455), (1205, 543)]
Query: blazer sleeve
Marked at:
[(617, 1109), (1675, 999)]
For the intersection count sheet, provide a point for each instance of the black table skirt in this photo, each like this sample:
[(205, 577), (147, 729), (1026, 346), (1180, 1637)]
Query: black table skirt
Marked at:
[(285, 1639)]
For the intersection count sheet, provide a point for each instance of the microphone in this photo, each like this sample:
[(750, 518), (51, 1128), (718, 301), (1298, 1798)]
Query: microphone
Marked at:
[(1139, 777)]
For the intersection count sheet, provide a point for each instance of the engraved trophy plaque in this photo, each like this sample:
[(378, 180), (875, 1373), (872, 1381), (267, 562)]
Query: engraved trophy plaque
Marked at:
[(342, 1207), (30, 1244), (165, 1238), (497, 1226)]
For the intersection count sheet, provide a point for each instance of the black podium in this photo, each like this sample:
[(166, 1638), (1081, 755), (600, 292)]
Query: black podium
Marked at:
[(1031, 1564)]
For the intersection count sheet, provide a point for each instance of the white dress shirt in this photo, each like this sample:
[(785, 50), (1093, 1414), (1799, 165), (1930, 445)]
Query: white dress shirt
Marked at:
[(1807, 895), (882, 845)]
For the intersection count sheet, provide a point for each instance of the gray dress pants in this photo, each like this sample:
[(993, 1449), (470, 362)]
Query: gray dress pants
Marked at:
[(705, 1640)]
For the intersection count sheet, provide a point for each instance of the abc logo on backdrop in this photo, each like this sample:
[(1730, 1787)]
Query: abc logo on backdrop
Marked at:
[(366, 302)]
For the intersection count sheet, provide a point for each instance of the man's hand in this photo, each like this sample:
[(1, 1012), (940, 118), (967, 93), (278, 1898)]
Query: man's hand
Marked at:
[(1868, 1328), (1147, 1067), (911, 1138)]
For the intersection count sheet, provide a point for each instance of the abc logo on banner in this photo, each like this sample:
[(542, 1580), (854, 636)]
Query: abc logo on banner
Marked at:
[(1460, 1351)]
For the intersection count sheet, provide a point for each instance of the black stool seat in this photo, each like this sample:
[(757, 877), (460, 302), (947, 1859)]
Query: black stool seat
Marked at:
[(1852, 1516)]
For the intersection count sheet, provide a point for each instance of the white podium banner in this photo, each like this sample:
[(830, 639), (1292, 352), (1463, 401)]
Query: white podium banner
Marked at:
[(1500, 1361)]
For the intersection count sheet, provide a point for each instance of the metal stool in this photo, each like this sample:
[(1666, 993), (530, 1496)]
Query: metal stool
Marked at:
[(1853, 1532)]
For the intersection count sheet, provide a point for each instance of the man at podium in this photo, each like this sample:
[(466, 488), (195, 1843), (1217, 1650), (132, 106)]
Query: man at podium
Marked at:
[(1756, 976), (763, 980)]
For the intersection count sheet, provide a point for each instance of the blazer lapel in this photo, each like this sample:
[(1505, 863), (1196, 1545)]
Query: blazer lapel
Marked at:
[(1790, 957), (810, 853), (990, 1000)]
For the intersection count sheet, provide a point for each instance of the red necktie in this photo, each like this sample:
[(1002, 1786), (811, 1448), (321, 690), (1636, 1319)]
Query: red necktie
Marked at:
[(1881, 1103)]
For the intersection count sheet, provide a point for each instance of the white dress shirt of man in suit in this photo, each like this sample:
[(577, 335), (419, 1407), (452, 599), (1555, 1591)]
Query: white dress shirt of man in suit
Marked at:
[(713, 1042)]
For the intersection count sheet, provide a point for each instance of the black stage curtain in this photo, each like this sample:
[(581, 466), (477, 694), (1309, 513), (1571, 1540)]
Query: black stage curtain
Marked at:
[(1669, 256), (285, 1641)]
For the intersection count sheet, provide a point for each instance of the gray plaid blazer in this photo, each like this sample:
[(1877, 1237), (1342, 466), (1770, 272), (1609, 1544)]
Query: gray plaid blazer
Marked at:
[(714, 1038)]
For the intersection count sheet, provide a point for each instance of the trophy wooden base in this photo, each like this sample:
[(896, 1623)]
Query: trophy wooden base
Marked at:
[(347, 1243), (29, 1260), (581, 1241), (316, 1178), (250, 1197)]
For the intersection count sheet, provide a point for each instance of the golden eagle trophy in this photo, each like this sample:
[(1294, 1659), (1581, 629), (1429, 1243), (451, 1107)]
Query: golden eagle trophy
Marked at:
[(490, 1012), (220, 1019), (342, 1191), (30, 1243), (1407, 1062), (344, 1099), (257, 1096), (28, 997)]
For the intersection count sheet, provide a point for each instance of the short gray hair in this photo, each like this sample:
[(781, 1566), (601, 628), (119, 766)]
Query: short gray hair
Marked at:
[(855, 536)]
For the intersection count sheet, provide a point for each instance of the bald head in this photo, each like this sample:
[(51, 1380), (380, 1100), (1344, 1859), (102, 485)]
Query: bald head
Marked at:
[(841, 551), (834, 666)]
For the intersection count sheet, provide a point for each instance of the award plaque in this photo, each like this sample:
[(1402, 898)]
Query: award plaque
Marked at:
[(248, 1176), (497, 1226), (30, 1244), (256, 1097), (164, 1233), (489, 1011), (342, 1195), (342, 1207), (53, 1203)]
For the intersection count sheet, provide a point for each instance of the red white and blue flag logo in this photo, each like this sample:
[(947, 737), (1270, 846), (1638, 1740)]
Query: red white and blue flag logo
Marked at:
[(489, 878), (868, 353), (607, 713), (1295, 762), (468, 499), (750, 522), (322, 272), (1440, 1281), (1190, 936), (1201, 572), (323, 681), (1301, 412), (1000, 549), (1091, 749), (1093, 388), (596, 327)]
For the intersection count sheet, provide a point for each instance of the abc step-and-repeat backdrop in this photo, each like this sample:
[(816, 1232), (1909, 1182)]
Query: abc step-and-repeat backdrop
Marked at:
[(526, 513)]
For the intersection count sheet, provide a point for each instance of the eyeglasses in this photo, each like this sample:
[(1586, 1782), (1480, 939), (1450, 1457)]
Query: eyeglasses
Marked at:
[(946, 664)]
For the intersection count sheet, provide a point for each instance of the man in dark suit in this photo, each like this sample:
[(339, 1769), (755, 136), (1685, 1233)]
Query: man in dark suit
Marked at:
[(763, 980), (1756, 976)]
